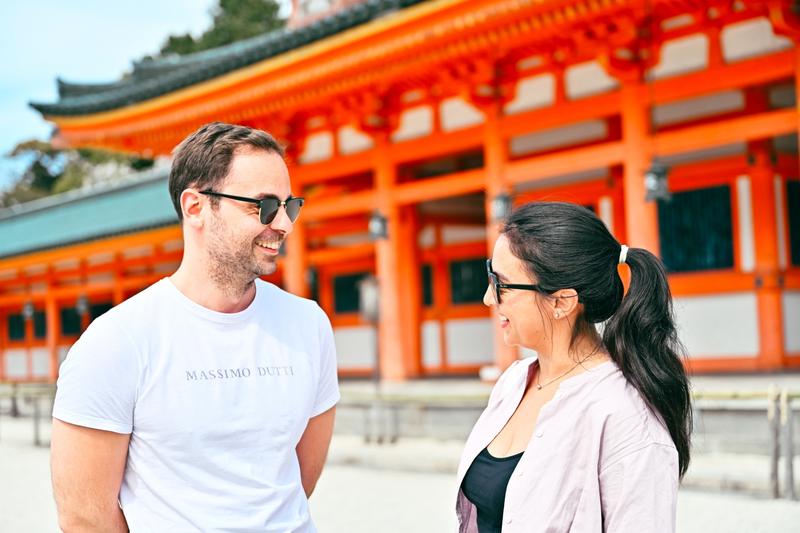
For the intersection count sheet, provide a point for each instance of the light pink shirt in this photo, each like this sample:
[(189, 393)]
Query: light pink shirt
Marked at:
[(598, 459)]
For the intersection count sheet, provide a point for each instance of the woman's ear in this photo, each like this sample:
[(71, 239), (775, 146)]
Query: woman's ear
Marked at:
[(565, 302), (192, 204)]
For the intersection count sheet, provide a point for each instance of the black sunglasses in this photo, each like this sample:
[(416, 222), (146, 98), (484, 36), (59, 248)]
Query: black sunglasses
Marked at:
[(494, 281), (268, 206)]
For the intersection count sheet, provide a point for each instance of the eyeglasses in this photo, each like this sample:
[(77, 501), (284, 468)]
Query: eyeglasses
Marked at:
[(494, 281), (268, 206)]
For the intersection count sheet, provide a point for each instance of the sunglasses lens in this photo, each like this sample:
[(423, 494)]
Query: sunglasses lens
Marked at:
[(293, 208), (269, 208)]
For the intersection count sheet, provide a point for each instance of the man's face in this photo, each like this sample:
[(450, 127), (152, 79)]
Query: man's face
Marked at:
[(241, 248)]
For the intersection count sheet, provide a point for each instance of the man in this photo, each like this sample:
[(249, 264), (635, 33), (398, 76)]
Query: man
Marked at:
[(205, 402)]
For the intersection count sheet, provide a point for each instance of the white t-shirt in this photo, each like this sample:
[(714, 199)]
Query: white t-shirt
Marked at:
[(215, 404)]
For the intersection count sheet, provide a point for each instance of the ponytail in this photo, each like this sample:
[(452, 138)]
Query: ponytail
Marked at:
[(642, 340)]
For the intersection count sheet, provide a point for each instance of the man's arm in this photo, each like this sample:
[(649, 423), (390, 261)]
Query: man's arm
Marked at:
[(87, 467), (313, 448)]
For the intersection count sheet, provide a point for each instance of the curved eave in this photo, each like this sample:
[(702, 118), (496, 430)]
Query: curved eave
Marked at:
[(153, 78), (129, 110)]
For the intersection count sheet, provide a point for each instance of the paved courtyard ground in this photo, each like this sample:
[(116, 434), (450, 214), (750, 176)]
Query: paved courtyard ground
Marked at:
[(365, 500)]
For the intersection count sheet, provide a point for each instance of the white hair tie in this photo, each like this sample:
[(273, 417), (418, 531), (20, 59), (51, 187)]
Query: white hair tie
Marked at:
[(623, 254)]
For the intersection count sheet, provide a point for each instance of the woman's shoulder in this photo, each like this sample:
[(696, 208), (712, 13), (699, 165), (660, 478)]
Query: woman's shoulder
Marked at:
[(624, 413)]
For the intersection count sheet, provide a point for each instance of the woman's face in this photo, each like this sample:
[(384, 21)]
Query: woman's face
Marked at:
[(523, 313)]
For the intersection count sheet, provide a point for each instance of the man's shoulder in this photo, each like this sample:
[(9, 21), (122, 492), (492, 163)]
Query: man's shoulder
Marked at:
[(291, 303), (139, 308)]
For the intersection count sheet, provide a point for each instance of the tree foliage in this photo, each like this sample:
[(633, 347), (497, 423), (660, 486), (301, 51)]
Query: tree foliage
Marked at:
[(233, 20), (52, 170)]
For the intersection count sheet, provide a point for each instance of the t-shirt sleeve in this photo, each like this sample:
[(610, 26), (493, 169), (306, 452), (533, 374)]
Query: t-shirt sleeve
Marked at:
[(639, 490), (97, 383), (328, 383)]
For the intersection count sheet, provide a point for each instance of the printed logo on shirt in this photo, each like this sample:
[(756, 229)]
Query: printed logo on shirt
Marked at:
[(238, 373)]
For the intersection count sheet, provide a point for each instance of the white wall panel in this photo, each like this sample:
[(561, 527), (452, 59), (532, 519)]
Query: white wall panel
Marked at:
[(694, 108), (606, 214), (426, 238), (679, 56), (355, 346), (41, 362), (319, 146), (751, 38), (791, 321), (352, 140), (414, 122), (534, 92), (586, 79), (458, 234), (744, 200), (718, 326), (469, 341), (458, 114), (16, 361), (431, 343), (556, 137)]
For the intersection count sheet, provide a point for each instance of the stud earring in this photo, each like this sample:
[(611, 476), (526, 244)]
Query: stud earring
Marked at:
[(558, 314)]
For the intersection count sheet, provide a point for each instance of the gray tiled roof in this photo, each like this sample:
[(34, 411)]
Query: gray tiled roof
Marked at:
[(142, 202), (157, 77)]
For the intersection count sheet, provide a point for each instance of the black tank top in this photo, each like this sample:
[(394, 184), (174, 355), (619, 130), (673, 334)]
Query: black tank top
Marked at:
[(485, 486)]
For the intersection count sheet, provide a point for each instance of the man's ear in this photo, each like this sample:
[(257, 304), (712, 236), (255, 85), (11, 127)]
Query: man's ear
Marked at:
[(565, 302), (192, 205)]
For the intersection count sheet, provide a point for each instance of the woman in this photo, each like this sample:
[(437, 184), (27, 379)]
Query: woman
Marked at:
[(593, 434)]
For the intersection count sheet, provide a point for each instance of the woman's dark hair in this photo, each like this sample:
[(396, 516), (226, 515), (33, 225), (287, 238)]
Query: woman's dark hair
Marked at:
[(566, 246)]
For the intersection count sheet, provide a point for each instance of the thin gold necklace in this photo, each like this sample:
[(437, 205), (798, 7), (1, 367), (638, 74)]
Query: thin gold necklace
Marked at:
[(539, 385)]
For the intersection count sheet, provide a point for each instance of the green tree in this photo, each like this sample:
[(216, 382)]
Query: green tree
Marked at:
[(52, 170), (233, 20)]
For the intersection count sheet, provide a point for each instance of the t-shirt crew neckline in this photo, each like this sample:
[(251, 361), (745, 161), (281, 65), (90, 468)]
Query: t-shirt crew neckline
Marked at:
[(210, 314)]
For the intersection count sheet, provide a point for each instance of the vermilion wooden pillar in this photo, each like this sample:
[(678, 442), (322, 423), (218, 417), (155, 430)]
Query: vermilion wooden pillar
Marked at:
[(295, 265), (641, 217), (767, 266), (495, 158), (399, 359), (53, 321)]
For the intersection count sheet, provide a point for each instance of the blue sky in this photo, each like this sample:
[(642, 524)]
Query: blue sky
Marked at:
[(81, 41)]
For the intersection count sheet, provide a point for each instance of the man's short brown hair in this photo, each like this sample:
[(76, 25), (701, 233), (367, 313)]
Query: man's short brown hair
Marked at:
[(203, 159)]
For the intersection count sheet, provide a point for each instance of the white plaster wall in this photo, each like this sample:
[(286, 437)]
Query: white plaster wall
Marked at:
[(606, 212), (791, 321), (586, 79), (41, 362), (682, 55), (355, 346), (319, 146), (459, 234), (426, 238), (533, 92), (469, 341), (62, 353), (718, 326), (694, 108), (348, 239), (751, 38), (16, 361), (557, 137), (456, 113), (747, 248), (414, 122), (352, 141), (431, 345)]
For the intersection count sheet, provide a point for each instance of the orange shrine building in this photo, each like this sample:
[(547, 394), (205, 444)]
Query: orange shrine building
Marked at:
[(676, 121)]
